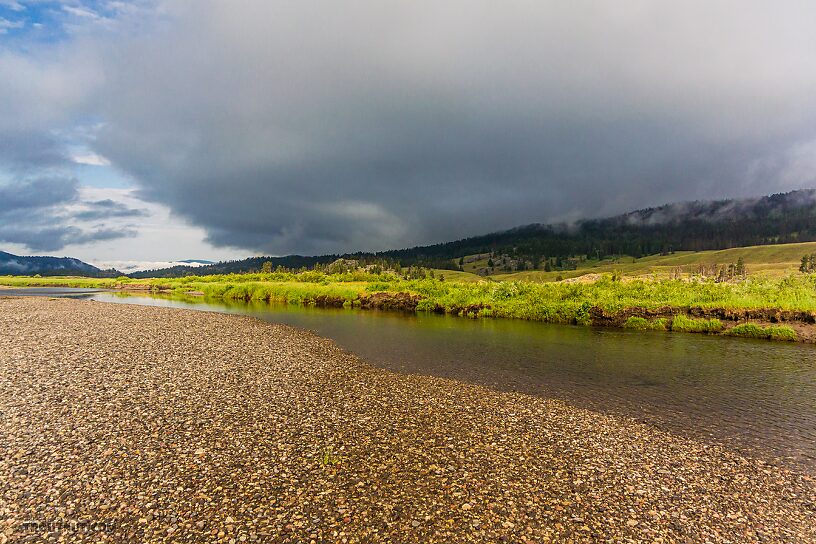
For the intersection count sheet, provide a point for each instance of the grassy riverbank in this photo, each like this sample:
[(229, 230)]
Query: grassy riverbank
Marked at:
[(553, 302), (61, 281), (557, 302)]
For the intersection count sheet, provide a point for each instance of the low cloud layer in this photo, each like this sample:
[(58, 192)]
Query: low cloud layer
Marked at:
[(285, 127), (106, 209), (48, 214), (130, 266)]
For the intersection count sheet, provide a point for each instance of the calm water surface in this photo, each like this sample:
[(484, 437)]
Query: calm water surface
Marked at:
[(755, 396)]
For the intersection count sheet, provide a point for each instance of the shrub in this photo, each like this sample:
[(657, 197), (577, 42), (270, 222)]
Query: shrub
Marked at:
[(774, 332), (660, 324), (582, 316), (686, 324), (748, 330), (637, 323), (642, 324), (713, 325), (781, 333)]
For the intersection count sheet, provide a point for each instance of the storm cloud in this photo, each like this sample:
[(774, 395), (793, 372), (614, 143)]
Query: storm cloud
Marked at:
[(37, 194), (106, 209), (44, 237), (48, 214), (324, 127)]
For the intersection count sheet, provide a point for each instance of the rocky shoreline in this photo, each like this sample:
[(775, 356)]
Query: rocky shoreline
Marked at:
[(126, 423)]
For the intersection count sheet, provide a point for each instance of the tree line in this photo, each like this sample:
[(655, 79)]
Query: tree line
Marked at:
[(695, 226)]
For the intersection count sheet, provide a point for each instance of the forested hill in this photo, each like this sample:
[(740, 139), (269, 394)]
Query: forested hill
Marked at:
[(50, 266), (694, 226), (252, 264)]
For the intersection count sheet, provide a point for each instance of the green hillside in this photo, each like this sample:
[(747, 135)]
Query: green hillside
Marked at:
[(766, 261)]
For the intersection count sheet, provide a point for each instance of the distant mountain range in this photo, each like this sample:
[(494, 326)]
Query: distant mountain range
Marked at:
[(63, 266), (49, 266), (694, 226)]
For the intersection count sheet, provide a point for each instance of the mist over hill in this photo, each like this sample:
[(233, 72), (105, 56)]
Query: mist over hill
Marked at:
[(49, 266), (252, 264), (687, 226), (133, 266)]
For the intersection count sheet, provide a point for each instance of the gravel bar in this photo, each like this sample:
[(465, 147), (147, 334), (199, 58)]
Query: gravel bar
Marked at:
[(123, 423)]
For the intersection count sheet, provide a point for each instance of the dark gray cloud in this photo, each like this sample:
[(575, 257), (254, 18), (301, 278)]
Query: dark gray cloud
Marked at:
[(37, 194), (24, 150), (107, 209), (283, 127), (47, 90), (39, 214), (40, 237)]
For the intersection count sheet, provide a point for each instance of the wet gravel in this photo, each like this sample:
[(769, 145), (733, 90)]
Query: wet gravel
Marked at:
[(126, 423)]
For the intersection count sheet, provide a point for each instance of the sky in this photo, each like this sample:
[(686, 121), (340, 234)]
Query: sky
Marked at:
[(158, 130)]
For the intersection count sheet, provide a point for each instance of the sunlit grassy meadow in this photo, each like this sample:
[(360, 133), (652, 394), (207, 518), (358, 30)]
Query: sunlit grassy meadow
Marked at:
[(660, 288), (770, 261), (550, 302)]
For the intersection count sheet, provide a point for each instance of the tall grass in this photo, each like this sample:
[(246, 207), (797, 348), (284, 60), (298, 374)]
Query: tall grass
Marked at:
[(772, 332), (642, 324), (781, 333), (287, 291), (58, 281), (569, 302), (747, 330), (551, 302), (681, 323)]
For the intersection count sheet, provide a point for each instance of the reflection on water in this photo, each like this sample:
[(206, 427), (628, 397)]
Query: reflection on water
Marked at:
[(754, 395), (73, 292)]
